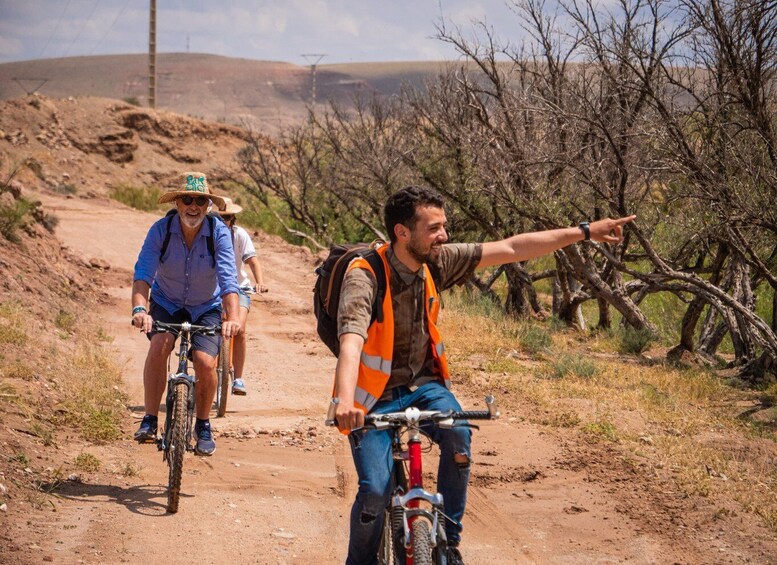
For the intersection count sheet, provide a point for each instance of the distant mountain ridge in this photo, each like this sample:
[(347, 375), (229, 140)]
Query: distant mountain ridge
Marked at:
[(262, 94)]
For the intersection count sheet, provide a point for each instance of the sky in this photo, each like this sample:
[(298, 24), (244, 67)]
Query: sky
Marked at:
[(278, 30)]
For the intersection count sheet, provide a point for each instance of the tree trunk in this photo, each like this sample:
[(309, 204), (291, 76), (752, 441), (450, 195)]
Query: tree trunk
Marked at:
[(562, 295), (617, 297), (605, 316), (774, 310), (696, 308), (516, 303), (744, 344)]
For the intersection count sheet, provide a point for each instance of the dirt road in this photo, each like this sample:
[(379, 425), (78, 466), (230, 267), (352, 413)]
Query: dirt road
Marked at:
[(279, 487)]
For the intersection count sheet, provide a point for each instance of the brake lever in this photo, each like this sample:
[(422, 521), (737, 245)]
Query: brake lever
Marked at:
[(466, 425)]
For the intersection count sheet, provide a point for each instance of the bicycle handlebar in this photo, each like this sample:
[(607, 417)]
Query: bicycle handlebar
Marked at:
[(187, 326), (252, 289), (412, 416)]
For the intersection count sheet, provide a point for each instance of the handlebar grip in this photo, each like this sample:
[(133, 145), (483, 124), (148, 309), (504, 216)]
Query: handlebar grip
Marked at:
[(472, 415)]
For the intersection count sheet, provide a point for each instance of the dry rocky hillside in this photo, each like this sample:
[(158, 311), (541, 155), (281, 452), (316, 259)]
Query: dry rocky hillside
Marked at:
[(108, 143), (75, 489)]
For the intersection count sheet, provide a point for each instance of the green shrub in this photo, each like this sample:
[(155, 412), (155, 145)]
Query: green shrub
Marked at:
[(13, 218), (601, 429), (132, 100), (576, 365), (87, 462), (535, 339), (635, 341), (138, 197)]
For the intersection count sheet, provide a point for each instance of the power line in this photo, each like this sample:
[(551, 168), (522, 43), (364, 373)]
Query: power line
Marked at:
[(80, 31), (116, 19), (56, 28)]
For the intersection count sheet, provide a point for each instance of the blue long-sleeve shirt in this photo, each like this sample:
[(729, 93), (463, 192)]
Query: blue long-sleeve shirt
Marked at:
[(187, 278)]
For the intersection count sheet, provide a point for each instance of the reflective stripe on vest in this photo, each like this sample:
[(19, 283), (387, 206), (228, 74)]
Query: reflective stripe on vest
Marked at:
[(364, 398), (377, 363)]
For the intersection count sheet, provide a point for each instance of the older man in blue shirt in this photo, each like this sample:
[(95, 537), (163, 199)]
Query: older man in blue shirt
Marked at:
[(187, 264)]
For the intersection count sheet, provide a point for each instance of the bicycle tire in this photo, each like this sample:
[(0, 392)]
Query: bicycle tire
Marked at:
[(421, 543), (386, 550), (223, 370), (177, 446)]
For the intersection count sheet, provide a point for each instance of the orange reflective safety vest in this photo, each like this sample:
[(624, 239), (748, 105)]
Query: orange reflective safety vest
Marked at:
[(378, 350)]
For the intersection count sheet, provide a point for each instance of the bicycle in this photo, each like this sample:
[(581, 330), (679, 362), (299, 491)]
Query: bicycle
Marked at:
[(175, 441), (414, 521), (224, 369)]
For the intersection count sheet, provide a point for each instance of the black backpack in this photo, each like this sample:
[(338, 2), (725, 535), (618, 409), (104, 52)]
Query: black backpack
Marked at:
[(329, 282), (212, 217)]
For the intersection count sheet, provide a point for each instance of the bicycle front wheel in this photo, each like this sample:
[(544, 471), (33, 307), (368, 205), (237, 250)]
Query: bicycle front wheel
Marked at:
[(177, 446), (223, 370), (421, 543)]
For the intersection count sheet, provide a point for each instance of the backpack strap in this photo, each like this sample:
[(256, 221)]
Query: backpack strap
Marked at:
[(170, 214), (209, 241), (378, 267)]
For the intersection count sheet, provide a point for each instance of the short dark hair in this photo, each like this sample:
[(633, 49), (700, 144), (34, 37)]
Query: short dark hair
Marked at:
[(402, 205)]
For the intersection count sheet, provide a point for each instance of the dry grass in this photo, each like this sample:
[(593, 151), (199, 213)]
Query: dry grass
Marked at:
[(11, 325), (93, 399), (685, 424)]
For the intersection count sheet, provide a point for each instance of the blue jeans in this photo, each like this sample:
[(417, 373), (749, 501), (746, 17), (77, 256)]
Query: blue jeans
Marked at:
[(371, 451)]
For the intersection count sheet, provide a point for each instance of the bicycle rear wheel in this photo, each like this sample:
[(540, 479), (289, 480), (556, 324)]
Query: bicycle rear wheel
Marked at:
[(421, 543), (177, 446), (223, 370), (388, 543)]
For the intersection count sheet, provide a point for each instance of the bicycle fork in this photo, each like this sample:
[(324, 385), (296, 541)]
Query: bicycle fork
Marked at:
[(406, 506), (172, 382)]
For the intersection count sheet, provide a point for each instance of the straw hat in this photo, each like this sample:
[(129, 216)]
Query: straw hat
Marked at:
[(231, 208), (194, 184)]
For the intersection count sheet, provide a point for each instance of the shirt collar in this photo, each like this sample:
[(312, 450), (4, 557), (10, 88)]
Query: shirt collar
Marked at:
[(405, 274)]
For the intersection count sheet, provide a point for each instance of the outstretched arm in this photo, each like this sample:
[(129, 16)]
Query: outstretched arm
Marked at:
[(525, 246)]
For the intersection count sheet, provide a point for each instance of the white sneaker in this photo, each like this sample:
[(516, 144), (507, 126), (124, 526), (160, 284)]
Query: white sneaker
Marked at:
[(238, 387)]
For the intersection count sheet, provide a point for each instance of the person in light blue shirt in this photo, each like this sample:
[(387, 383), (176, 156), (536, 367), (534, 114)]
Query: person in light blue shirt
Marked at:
[(185, 272)]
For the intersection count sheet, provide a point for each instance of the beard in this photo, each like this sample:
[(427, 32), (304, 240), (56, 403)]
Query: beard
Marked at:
[(190, 222), (429, 255)]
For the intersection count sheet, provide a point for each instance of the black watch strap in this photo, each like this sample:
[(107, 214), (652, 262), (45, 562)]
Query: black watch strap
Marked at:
[(585, 226)]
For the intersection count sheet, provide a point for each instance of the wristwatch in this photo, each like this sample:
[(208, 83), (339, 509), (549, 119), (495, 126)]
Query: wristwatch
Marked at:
[(585, 226)]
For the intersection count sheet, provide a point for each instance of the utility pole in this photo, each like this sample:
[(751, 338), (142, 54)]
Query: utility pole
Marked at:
[(152, 55), (313, 59)]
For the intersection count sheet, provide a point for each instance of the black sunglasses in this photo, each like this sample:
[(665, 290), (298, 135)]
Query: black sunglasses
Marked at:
[(200, 200)]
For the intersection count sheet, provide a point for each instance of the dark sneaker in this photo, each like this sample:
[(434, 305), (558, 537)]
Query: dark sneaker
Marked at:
[(454, 556), (238, 387), (147, 430), (205, 444)]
